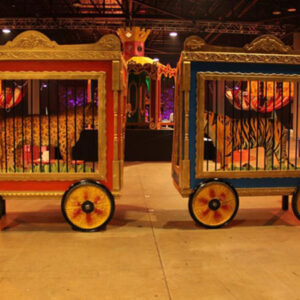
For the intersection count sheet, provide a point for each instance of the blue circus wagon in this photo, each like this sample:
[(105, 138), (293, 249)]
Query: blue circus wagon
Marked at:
[(237, 129)]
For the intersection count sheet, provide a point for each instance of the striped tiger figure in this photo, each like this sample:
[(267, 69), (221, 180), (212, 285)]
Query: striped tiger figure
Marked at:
[(246, 133)]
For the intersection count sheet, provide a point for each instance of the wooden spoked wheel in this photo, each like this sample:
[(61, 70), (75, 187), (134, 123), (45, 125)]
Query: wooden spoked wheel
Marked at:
[(296, 203), (87, 206), (213, 204)]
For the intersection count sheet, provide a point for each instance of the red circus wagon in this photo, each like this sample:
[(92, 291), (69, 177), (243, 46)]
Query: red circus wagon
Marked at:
[(62, 125)]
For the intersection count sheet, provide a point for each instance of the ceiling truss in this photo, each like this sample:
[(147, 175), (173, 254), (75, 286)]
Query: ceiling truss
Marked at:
[(114, 22)]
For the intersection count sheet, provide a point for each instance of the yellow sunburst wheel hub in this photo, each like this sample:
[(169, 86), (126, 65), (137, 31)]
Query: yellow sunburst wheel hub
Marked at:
[(88, 206), (296, 203), (214, 204)]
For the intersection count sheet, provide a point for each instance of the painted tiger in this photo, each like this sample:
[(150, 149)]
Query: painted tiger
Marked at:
[(246, 133), (35, 130)]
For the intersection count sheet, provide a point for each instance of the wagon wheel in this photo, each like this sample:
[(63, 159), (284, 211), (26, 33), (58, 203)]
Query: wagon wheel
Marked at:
[(213, 204), (296, 203), (87, 206)]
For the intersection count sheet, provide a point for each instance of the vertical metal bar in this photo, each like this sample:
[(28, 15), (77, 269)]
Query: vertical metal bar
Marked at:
[(233, 125), (249, 124), (257, 121), (224, 120), (297, 115), (5, 125), (207, 127), (57, 119), (289, 121), (216, 86), (281, 119), (83, 112), (75, 121), (67, 154), (14, 127), (265, 129), (49, 132), (93, 114), (273, 138), (241, 121), (40, 125), (31, 125), (23, 134)]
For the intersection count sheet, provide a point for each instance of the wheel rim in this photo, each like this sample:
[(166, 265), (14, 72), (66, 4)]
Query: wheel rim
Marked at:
[(87, 206), (214, 204)]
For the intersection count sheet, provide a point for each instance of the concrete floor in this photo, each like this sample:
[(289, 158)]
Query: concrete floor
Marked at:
[(151, 249)]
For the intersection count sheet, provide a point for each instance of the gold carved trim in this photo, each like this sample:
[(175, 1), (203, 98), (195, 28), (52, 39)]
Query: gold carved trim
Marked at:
[(264, 191), (241, 57), (102, 131), (267, 44), (116, 96), (31, 194), (184, 175), (201, 77), (62, 176), (193, 43), (33, 45)]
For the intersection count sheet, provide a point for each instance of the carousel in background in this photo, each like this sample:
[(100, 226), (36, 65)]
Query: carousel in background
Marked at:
[(150, 100)]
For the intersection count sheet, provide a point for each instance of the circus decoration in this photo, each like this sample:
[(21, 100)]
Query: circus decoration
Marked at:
[(148, 82), (263, 96), (10, 97)]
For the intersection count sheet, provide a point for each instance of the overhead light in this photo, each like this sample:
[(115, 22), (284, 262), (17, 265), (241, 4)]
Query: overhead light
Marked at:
[(128, 34), (276, 12), (291, 9), (173, 33), (6, 30), (156, 59), (77, 3)]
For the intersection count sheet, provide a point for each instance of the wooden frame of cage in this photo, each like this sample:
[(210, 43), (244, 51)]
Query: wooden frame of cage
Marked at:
[(201, 77), (100, 77), (266, 49), (24, 57)]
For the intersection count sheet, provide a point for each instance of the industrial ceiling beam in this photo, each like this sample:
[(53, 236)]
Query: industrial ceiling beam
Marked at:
[(113, 22)]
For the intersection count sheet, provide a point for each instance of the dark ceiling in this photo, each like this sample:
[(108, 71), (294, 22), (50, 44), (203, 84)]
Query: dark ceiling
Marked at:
[(222, 22)]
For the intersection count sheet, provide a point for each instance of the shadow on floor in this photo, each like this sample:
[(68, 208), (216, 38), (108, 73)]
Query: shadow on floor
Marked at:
[(51, 219)]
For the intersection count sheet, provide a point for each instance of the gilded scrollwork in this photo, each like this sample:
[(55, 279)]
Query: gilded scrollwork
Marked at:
[(260, 50), (109, 42), (31, 39), (241, 57), (267, 44), (193, 43), (33, 45)]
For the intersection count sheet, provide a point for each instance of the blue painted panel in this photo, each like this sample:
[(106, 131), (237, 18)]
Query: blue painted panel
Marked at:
[(234, 67), (246, 68)]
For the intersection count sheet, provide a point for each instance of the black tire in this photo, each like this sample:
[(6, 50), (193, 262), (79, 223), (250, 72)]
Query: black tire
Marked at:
[(214, 204), (296, 203), (88, 207), (2, 207)]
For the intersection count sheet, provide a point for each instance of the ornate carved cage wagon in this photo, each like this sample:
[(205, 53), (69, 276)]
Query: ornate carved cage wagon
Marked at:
[(236, 126), (62, 124)]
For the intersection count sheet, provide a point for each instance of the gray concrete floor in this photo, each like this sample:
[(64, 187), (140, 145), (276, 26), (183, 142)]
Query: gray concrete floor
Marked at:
[(151, 250)]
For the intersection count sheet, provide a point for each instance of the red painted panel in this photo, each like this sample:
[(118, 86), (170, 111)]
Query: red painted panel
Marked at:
[(40, 66)]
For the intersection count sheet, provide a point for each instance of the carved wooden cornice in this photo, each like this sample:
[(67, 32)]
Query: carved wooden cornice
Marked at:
[(264, 49), (33, 45)]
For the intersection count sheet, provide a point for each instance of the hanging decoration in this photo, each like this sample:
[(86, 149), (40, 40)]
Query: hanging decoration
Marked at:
[(10, 97), (264, 96)]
